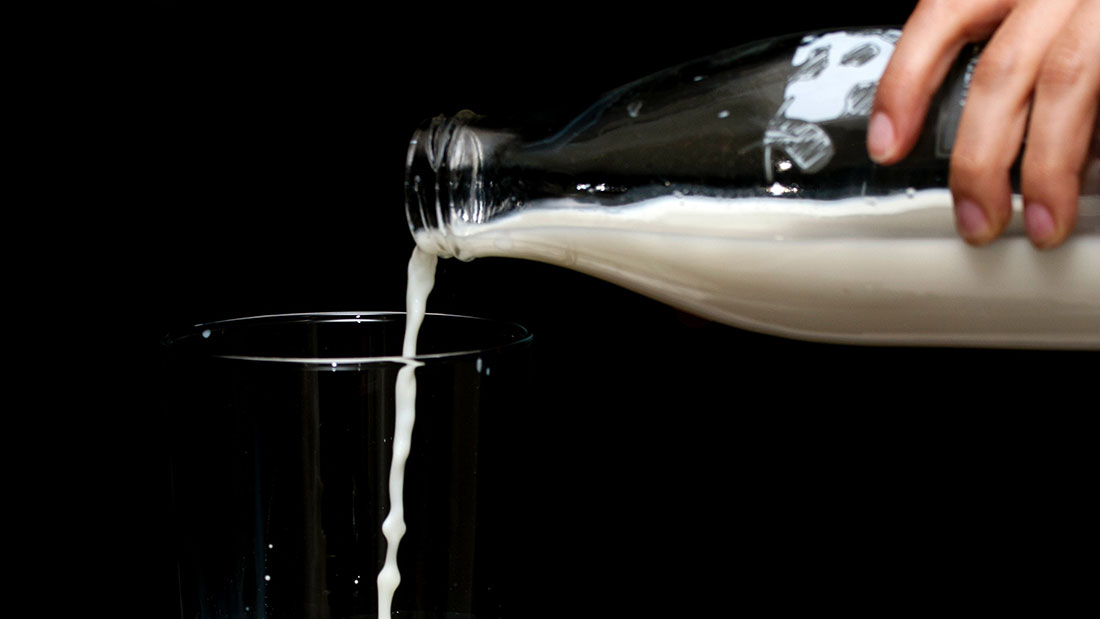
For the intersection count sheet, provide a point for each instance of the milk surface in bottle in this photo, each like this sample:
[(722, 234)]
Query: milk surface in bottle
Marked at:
[(738, 187)]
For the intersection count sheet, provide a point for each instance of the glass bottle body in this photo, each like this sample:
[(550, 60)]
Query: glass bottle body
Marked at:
[(737, 187)]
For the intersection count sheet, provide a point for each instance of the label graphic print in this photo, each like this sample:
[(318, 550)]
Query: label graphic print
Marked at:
[(833, 76)]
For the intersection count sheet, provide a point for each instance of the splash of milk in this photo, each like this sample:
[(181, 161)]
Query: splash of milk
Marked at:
[(421, 280)]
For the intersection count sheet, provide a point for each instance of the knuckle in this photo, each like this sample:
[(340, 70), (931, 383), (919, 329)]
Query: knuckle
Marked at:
[(971, 165), (936, 7), (996, 67), (1061, 68), (976, 19), (1040, 171), (943, 8)]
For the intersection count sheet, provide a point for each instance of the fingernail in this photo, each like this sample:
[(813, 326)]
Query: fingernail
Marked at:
[(971, 220), (1040, 223), (880, 136)]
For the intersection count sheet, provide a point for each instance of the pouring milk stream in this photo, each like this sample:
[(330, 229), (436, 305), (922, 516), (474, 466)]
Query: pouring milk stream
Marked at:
[(737, 187), (421, 281)]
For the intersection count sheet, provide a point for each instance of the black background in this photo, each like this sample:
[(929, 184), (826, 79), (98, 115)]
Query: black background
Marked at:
[(250, 160)]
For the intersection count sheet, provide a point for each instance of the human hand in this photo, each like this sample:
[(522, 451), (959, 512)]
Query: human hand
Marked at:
[(1037, 83)]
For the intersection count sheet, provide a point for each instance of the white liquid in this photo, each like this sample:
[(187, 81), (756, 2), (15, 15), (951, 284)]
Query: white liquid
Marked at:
[(421, 280), (868, 271)]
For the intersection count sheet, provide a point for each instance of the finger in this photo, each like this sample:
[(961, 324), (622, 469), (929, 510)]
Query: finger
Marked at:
[(930, 42), (1066, 101), (995, 117)]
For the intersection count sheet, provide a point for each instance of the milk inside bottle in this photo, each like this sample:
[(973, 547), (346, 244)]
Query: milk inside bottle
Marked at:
[(738, 187)]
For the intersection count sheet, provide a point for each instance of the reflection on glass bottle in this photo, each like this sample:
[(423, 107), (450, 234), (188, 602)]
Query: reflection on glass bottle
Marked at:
[(738, 187)]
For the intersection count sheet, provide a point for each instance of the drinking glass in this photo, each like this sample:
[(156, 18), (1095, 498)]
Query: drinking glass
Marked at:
[(282, 434)]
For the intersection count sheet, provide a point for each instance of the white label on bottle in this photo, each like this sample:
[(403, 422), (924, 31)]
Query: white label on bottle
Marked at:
[(834, 76)]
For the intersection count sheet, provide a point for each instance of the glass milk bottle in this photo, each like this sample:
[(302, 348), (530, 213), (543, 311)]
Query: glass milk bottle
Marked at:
[(737, 187)]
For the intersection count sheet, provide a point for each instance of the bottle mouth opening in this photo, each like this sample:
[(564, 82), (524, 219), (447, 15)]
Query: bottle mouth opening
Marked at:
[(441, 167), (421, 162)]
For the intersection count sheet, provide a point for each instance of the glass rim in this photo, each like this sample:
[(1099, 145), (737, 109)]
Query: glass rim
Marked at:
[(203, 330)]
